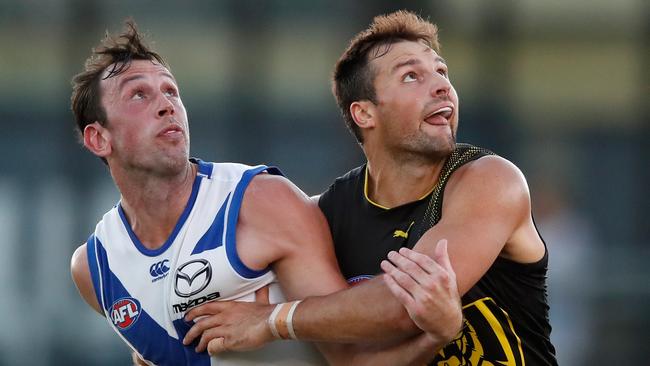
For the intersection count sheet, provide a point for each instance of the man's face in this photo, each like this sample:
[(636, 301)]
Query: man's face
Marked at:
[(417, 107), (146, 120)]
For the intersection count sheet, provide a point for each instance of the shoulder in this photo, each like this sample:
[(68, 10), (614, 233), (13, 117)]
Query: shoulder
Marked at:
[(81, 277), (79, 262), (491, 171), (280, 220), (268, 190), (349, 179), (490, 179), (273, 201), (342, 188)]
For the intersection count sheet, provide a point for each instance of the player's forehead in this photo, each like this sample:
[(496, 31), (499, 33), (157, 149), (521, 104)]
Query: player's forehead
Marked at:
[(406, 52), (136, 70)]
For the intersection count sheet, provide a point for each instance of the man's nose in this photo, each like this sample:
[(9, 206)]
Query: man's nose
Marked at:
[(440, 86), (166, 107)]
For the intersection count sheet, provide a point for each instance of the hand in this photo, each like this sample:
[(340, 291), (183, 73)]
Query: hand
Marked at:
[(427, 288), (231, 325)]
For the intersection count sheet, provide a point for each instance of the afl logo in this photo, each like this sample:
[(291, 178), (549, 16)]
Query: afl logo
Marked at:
[(192, 277), (125, 312), (358, 279)]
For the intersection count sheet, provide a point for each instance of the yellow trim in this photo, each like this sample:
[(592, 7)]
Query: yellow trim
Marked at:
[(365, 191), (521, 351)]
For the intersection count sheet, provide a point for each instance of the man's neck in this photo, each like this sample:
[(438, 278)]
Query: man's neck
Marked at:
[(391, 183), (153, 204)]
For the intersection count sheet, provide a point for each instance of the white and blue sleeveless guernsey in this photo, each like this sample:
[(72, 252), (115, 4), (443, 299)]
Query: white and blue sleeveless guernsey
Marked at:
[(145, 293)]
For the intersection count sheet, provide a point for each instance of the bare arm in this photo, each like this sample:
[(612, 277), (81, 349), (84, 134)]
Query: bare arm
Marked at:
[(486, 206), (288, 230)]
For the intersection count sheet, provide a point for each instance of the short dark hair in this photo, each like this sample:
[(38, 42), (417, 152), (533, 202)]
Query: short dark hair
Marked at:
[(115, 52), (353, 78)]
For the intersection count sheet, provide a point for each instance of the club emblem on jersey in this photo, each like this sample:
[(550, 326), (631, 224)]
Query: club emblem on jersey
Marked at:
[(488, 338), (192, 277), (125, 312), (358, 279)]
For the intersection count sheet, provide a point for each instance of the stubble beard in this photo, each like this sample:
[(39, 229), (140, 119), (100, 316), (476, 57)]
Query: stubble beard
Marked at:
[(426, 149)]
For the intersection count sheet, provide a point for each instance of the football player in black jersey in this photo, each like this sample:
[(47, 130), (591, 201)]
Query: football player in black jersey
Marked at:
[(396, 96)]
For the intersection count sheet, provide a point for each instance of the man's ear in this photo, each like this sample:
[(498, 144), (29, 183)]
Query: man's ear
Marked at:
[(363, 113), (97, 139)]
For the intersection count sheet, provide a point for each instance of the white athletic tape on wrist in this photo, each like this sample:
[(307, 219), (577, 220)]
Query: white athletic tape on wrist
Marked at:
[(292, 332), (271, 321), (281, 320)]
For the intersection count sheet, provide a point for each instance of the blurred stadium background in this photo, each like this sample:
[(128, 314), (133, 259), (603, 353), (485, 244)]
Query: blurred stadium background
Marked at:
[(559, 87)]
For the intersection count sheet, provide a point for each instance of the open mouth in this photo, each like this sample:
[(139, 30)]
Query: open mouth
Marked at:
[(439, 116)]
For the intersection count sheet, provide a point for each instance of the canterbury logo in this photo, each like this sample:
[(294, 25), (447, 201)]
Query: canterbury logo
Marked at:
[(403, 234)]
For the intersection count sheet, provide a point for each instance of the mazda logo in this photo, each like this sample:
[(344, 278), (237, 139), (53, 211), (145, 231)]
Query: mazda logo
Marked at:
[(192, 277)]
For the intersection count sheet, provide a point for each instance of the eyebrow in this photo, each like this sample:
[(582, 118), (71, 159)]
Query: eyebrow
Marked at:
[(127, 80), (414, 61)]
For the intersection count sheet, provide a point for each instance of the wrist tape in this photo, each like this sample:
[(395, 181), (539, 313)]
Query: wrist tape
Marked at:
[(281, 320)]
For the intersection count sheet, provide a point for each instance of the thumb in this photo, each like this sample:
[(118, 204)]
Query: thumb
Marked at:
[(262, 295), (216, 346), (441, 255)]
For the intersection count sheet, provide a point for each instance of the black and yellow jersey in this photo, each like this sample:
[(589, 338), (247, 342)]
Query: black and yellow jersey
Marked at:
[(506, 312)]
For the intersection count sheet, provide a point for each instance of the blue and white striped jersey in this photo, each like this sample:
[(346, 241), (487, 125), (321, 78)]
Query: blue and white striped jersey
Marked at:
[(145, 293)]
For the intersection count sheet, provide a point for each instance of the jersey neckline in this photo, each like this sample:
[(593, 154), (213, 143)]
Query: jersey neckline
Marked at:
[(204, 170), (365, 192)]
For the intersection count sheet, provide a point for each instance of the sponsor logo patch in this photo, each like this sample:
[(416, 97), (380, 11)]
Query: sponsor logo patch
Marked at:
[(125, 312), (159, 270), (358, 279), (192, 277)]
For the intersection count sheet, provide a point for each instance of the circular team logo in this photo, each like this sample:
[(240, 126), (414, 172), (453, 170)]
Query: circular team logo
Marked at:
[(125, 312), (358, 279), (192, 277)]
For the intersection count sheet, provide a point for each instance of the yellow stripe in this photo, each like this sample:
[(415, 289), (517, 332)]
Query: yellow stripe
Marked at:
[(521, 351), (498, 330), (365, 192)]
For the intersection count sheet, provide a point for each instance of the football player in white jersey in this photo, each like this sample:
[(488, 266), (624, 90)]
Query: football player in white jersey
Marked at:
[(129, 112)]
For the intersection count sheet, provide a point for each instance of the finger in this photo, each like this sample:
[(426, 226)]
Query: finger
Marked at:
[(404, 279), (407, 267), (200, 326), (216, 346), (207, 336), (210, 308), (424, 261), (402, 295), (262, 295)]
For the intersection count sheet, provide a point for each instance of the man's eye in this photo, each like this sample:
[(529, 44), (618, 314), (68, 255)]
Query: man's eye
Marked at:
[(138, 95), (410, 77), (171, 93)]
